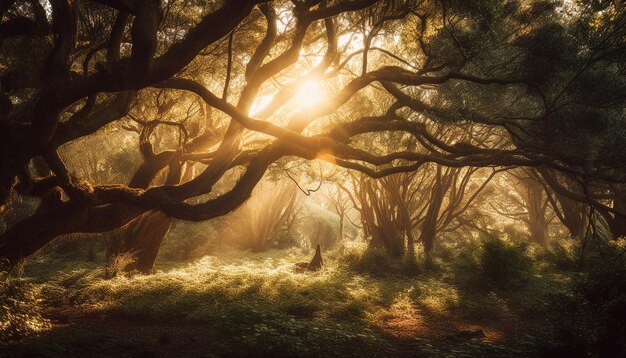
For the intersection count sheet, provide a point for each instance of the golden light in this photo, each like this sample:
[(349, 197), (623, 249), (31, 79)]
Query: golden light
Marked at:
[(259, 104), (309, 94), (327, 162)]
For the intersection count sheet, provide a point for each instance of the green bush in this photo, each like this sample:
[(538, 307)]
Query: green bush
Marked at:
[(563, 254), (504, 264), (375, 261), (591, 318), (603, 293), (285, 240)]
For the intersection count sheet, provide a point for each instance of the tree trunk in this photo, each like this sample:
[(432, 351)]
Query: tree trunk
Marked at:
[(536, 207), (317, 262), (139, 242), (573, 216), (429, 226), (427, 237), (410, 242), (30, 235), (341, 218), (618, 224), (388, 237)]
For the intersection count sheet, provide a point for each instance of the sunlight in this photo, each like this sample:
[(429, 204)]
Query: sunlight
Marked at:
[(309, 94), (364, 178), (259, 104)]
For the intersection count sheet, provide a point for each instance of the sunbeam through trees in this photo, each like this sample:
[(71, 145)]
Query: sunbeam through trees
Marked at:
[(313, 177)]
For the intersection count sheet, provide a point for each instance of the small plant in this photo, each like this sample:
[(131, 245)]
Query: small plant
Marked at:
[(504, 264), (118, 263), (602, 293)]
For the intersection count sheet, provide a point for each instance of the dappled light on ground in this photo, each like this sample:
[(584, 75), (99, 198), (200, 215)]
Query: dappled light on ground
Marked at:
[(260, 297)]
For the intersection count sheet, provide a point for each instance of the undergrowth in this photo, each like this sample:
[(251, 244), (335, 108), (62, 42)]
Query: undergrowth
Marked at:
[(260, 302), (20, 312)]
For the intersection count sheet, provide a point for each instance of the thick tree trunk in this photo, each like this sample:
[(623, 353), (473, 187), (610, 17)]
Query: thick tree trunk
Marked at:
[(427, 237), (139, 242)]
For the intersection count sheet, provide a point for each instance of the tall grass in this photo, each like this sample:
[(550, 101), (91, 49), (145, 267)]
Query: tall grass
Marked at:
[(20, 312)]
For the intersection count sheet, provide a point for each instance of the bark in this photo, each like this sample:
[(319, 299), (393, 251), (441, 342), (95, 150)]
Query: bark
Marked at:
[(140, 239), (30, 235), (429, 226), (317, 262), (573, 216), (315, 265), (410, 243), (618, 224), (536, 206), (341, 224)]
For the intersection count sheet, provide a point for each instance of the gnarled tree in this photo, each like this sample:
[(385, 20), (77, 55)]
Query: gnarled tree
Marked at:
[(72, 68)]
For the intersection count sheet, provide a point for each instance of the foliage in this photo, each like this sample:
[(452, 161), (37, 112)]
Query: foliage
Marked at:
[(504, 264), (410, 264), (112, 108), (590, 318), (119, 263), (373, 260), (258, 301), (359, 257), (564, 254), (317, 225)]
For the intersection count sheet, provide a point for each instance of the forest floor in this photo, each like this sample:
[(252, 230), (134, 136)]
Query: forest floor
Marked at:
[(241, 304)]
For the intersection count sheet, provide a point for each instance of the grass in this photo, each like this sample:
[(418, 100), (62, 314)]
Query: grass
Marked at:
[(237, 303)]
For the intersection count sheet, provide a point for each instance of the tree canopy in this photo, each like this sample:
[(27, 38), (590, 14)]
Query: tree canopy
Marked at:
[(209, 88)]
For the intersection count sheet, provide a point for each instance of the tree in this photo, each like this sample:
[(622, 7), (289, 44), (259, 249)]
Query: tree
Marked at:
[(552, 84), (452, 192), (525, 200), (386, 208)]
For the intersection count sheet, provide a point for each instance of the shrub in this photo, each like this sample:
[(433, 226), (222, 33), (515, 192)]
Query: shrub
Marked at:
[(504, 264), (563, 254), (603, 294), (410, 265), (117, 264), (375, 261), (590, 318)]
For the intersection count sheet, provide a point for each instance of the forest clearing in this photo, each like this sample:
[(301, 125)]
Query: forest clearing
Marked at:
[(306, 178)]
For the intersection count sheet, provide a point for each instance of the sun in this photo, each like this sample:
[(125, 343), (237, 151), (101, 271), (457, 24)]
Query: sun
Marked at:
[(309, 94)]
